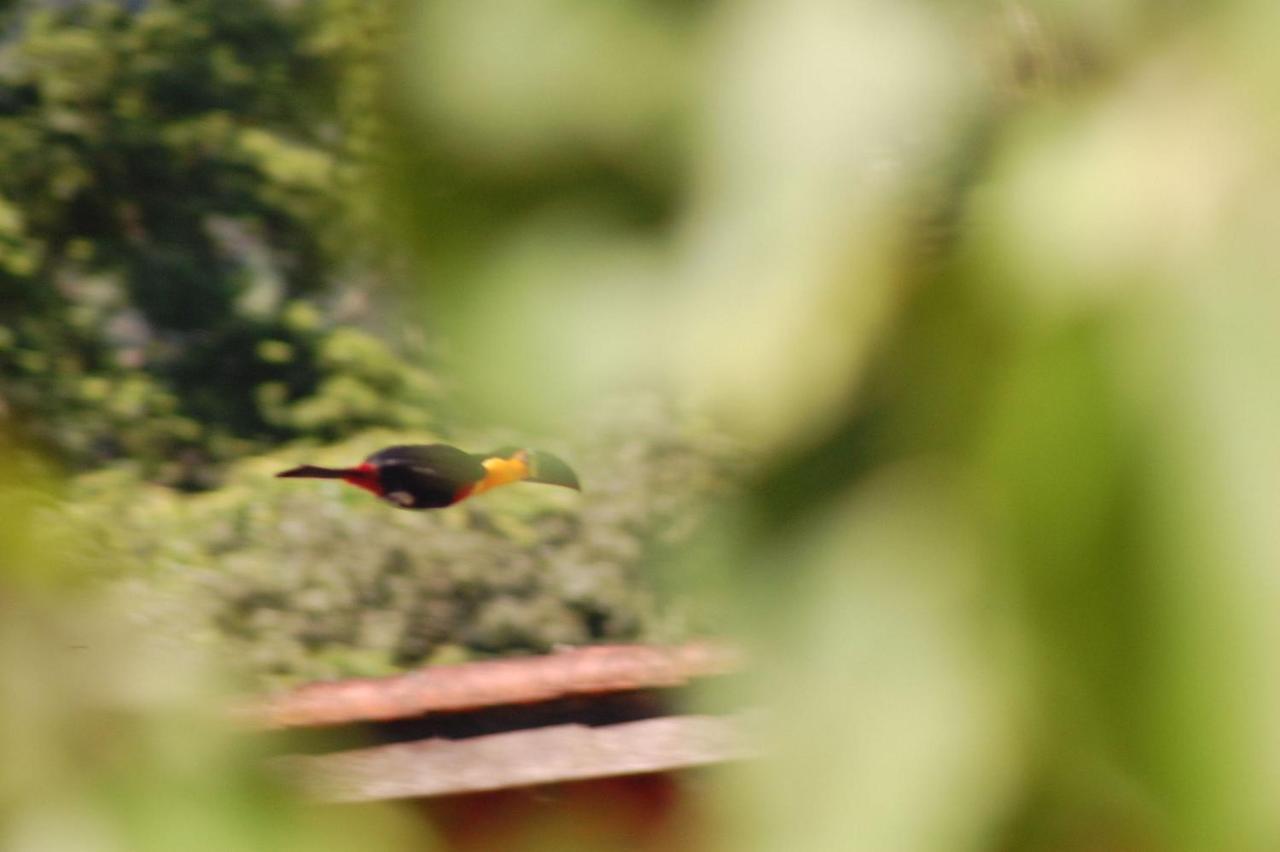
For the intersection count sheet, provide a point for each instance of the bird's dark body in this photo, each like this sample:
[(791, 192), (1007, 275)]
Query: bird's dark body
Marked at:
[(432, 476)]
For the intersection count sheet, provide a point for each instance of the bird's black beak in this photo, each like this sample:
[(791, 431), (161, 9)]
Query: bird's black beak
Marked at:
[(551, 470)]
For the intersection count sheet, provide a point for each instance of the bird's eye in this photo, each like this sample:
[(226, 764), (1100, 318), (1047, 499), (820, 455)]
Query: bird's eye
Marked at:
[(400, 498)]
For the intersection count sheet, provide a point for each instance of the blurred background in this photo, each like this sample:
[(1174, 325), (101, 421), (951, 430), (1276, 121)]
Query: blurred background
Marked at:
[(923, 349)]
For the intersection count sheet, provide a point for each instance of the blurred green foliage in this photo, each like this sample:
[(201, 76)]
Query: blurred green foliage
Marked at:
[(294, 581), (193, 276), (989, 288), (986, 291), (116, 737), (192, 297), (177, 181)]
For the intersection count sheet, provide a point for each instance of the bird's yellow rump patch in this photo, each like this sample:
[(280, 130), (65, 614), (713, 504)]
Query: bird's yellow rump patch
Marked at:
[(500, 471)]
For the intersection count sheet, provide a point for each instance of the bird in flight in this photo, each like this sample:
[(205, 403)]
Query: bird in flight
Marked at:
[(432, 476)]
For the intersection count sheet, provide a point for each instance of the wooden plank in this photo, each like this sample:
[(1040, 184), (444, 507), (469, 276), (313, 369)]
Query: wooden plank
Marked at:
[(519, 680), (518, 759)]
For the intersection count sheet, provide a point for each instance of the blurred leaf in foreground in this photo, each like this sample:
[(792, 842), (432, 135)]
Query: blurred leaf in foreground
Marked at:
[(116, 739), (1002, 336)]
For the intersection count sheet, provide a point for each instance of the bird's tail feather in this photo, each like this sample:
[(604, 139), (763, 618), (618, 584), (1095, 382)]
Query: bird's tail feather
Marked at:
[(310, 471)]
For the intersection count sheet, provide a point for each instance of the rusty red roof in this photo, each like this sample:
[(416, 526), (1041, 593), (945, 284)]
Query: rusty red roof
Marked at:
[(470, 686)]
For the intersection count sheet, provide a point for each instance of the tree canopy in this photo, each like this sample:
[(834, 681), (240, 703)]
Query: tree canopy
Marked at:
[(176, 190)]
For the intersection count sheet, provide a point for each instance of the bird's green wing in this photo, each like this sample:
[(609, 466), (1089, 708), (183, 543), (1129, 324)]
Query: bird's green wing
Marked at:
[(442, 460)]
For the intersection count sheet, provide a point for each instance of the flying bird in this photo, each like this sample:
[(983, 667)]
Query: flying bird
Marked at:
[(432, 476)]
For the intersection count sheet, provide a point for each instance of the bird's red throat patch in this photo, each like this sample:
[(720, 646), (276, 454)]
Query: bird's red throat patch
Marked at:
[(364, 476)]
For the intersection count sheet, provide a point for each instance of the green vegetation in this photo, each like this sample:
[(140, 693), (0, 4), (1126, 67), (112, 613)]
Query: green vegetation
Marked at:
[(308, 580), (925, 348), (174, 191), (190, 280)]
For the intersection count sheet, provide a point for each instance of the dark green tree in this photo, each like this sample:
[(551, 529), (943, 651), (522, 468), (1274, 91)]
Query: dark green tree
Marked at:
[(174, 183)]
